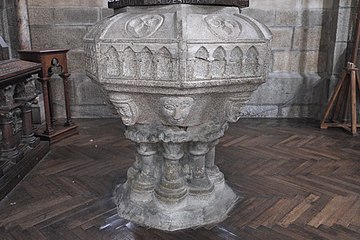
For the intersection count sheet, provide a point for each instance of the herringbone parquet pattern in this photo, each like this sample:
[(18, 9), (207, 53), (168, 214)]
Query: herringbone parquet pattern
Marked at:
[(296, 182)]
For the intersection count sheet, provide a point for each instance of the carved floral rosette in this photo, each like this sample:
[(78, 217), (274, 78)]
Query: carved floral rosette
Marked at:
[(177, 75)]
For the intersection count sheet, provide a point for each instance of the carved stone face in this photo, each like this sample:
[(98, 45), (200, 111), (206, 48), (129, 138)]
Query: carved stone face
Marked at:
[(232, 109), (128, 112), (176, 109)]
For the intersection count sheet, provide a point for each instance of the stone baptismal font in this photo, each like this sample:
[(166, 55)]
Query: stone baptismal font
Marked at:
[(177, 73)]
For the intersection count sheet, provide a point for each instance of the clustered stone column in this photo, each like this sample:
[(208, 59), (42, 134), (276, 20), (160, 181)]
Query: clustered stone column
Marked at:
[(177, 75)]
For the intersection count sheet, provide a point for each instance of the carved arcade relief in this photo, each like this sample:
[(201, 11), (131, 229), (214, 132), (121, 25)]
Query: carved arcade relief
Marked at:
[(235, 63), (252, 61), (218, 64), (164, 65), (144, 26), (146, 64), (176, 109), (223, 26), (225, 64), (201, 66), (127, 109), (112, 63), (130, 63)]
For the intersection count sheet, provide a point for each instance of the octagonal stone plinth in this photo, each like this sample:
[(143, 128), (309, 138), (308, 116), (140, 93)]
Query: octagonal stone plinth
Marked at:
[(177, 75)]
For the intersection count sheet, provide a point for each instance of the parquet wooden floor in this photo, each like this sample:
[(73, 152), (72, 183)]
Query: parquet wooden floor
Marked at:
[(296, 182)]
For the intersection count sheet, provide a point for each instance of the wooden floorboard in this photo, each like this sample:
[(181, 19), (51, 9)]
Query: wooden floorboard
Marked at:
[(296, 182)]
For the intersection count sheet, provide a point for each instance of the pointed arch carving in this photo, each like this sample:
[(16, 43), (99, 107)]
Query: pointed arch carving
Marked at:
[(113, 68), (252, 61), (235, 62), (146, 63), (164, 64), (201, 65), (130, 63), (219, 62)]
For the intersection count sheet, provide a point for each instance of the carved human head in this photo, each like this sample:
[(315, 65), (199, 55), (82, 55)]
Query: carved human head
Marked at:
[(126, 108), (176, 109)]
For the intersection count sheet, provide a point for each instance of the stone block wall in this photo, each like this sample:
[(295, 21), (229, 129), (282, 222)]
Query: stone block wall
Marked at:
[(63, 24), (309, 50), (296, 86), (8, 25)]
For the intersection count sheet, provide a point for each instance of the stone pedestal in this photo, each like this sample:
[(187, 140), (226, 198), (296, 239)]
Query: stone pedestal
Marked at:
[(177, 75)]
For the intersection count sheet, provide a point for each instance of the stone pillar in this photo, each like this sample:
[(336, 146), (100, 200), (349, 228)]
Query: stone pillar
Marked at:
[(22, 17), (171, 188), (212, 170), (199, 182), (134, 169), (144, 182)]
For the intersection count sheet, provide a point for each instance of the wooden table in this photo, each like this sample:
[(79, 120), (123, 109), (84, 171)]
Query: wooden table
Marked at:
[(53, 61), (20, 149)]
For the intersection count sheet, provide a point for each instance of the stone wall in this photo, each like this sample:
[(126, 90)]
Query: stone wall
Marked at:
[(301, 42), (309, 50), (8, 25), (63, 24)]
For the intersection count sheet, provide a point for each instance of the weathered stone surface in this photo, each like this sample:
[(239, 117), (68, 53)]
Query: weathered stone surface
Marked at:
[(282, 37), (285, 88), (288, 18), (285, 4), (11, 15), (41, 16), (288, 91), (40, 3), (282, 111), (76, 61), (317, 3), (93, 3), (347, 3), (57, 36), (339, 57), (259, 111), (87, 91), (265, 16), (343, 26), (177, 75), (106, 12), (76, 16), (308, 38), (315, 17), (299, 61), (90, 111), (56, 3)]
